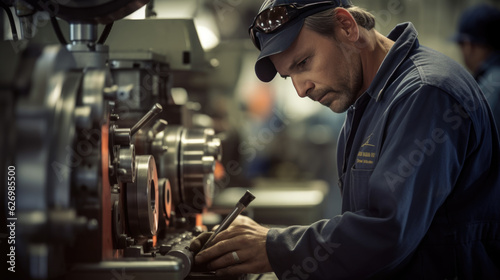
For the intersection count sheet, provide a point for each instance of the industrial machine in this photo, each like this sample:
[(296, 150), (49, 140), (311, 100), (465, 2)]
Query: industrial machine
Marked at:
[(107, 174)]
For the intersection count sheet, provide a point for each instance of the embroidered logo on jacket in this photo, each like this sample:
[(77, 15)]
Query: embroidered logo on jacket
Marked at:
[(366, 154)]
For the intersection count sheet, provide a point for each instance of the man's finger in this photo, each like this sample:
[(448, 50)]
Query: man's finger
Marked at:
[(212, 252), (199, 241), (227, 259)]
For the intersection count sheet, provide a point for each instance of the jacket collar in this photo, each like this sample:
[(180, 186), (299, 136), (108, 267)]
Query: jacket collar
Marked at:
[(405, 39)]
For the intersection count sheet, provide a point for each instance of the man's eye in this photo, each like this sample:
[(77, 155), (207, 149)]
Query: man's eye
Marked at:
[(302, 63)]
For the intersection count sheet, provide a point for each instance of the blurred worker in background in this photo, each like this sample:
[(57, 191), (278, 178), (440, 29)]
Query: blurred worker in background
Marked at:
[(259, 118), (418, 155), (478, 36)]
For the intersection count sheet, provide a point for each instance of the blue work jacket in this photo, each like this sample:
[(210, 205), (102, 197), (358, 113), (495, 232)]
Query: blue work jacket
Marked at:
[(419, 172)]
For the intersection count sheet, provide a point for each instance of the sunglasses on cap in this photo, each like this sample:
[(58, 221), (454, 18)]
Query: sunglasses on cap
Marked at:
[(273, 18)]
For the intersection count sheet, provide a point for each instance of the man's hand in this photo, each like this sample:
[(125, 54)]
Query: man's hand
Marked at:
[(198, 243), (239, 249)]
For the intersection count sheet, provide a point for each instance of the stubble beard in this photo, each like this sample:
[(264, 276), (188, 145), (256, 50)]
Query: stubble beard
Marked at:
[(343, 100), (337, 100), (348, 95)]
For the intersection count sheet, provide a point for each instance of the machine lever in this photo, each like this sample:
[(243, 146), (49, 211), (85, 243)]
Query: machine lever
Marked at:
[(144, 120)]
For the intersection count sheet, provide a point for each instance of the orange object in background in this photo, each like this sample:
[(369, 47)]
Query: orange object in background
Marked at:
[(260, 103), (199, 220), (219, 171)]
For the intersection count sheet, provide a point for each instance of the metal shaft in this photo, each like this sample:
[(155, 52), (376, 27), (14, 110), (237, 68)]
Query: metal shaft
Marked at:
[(240, 206), (149, 116)]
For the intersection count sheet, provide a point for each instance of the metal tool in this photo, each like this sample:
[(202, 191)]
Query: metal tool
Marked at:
[(240, 206)]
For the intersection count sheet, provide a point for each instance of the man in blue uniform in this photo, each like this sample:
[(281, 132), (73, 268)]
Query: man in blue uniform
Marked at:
[(479, 41), (418, 155)]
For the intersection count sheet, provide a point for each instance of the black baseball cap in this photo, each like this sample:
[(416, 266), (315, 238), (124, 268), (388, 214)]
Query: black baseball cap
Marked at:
[(479, 24), (282, 39)]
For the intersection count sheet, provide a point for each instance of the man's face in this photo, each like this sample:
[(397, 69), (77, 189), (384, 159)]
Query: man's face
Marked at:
[(466, 49), (322, 68)]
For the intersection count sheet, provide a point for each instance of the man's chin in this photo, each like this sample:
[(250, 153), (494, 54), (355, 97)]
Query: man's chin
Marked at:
[(336, 107)]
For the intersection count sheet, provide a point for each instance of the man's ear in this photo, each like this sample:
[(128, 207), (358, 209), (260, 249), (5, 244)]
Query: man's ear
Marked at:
[(347, 27)]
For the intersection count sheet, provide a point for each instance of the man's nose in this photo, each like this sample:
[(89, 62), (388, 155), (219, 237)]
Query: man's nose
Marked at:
[(302, 86)]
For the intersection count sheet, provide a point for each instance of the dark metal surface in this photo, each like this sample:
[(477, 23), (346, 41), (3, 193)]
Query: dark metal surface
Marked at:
[(93, 11), (90, 205), (133, 268), (143, 199)]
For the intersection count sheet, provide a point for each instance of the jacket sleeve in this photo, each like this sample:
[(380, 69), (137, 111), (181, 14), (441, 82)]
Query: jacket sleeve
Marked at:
[(426, 141)]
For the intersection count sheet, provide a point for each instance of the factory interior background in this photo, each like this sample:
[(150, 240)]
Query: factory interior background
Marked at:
[(273, 142), (276, 137), (270, 136)]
